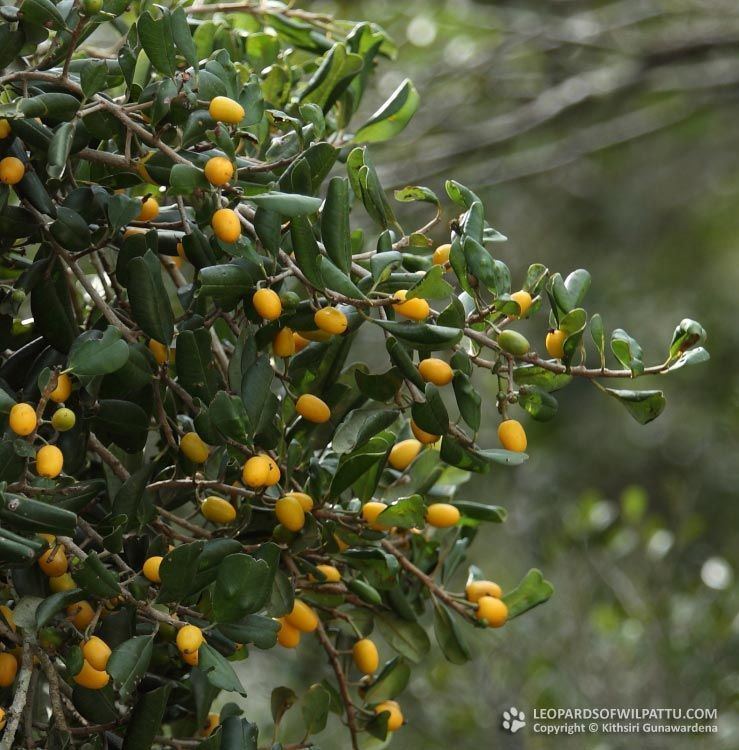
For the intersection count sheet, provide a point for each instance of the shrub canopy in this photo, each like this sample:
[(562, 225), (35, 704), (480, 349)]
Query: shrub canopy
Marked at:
[(197, 255)]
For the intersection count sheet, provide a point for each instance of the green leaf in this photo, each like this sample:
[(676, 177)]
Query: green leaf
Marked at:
[(534, 375), (335, 229), (431, 415), (229, 416), (92, 77), (449, 636), (359, 462), (218, 671), (243, 587), (256, 629), (409, 639), (422, 334), (627, 351), (59, 150), (228, 283), (238, 734), (182, 36), (53, 604), (390, 682), (691, 357), (598, 334), (53, 105), (122, 422), (289, 205), (541, 405), (39, 12), (196, 371), (334, 279), (70, 230), (95, 579), (413, 193), (122, 209), (155, 36), (379, 387), (332, 77), (480, 461), (481, 512), (644, 406), (315, 707), (305, 249), (431, 286), (688, 333), (469, 400), (129, 662), (393, 116), (282, 700), (178, 570), (360, 425), (148, 297), (184, 178), (93, 355), (530, 592), (146, 719), (405, 364), (406, 513)]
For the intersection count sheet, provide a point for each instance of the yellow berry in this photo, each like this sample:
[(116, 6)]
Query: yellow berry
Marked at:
[(555, 343), (63, 389), (330, 573), (524, 302), (425, 437), (300, 342), (366, 657), (287, 636), (97, 652), (442, 515), (189, 639), (260, 471), (226, 110), (475, 590), (226, 225), (441, 255), (290, 513), (3, 717), (151, 568), (313, 409), (91, 678), (331, 320), (54, 561), (160, 351), (49, 461), (218, 510), (302, 617), (218, 170), (492, 610), (403, 453), (8, 669), (370, 512), (306, 501), (64, 582), (81, 614), (11, 170), (435, 371), (22, 419), (283, 344), (512, 435), (63, 419), (4, 128), (415, 309), (149, 210), (395, 720), (267, 304), (211, 723), (193, 447)]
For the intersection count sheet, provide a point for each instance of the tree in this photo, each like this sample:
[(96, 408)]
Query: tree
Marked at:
[(197, 460)]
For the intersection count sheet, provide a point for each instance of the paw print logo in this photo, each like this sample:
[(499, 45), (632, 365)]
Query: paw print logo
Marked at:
[(513, 720)]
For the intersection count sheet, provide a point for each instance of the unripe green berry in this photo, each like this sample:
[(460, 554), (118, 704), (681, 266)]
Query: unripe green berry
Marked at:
[(63, 419)]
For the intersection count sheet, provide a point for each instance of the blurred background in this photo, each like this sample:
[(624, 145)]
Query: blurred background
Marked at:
[(601, 135)]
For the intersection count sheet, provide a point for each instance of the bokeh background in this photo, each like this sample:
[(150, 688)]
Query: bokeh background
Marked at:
[(600, 135)]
